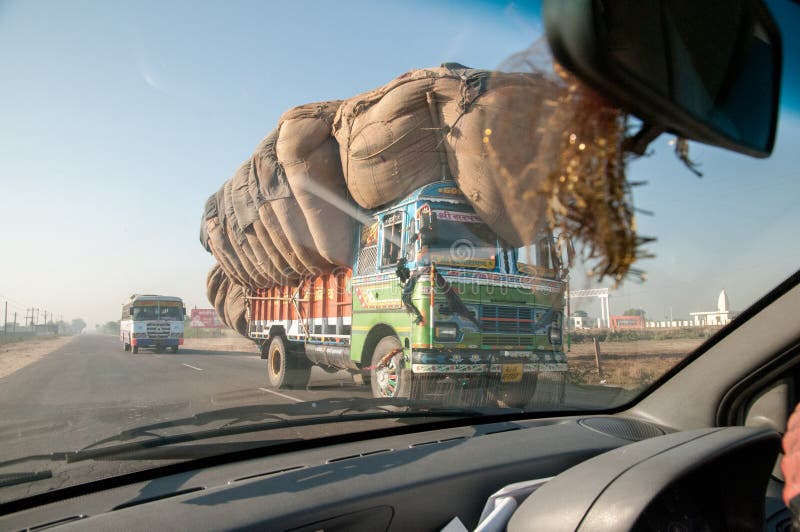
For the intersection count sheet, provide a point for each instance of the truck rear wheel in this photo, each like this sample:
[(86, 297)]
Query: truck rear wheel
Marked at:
[(126, 346), (286, 371), (388, 374)]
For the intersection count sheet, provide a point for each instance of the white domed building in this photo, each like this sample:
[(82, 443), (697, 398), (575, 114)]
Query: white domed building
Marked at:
[(722, 316)]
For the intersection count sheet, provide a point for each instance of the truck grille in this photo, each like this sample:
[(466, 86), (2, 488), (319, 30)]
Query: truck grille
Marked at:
[(514, 340), (513, 320), (158, 330)]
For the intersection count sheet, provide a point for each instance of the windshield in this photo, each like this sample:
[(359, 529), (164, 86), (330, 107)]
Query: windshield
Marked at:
[(265, 163), (539, 258), (463, 239), (170, 313), (145, 313)]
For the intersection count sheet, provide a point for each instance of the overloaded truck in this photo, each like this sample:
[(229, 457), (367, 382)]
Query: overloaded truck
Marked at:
[(436, 306), (154, 321)]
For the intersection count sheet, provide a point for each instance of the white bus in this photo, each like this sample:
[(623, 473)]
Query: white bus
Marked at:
[(152, 321)]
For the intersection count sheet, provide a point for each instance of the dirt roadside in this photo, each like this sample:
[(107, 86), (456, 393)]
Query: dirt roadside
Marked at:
[(16, 355), (628, 364)]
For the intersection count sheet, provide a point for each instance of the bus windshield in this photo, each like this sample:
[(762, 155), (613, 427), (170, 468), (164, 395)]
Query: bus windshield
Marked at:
[(157, 313), (144, 313)]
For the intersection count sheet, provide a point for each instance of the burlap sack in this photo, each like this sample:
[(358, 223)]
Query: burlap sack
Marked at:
[(388, 142), (310, 158)]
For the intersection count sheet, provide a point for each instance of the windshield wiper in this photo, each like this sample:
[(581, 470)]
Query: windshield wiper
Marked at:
[(13, 479), (318, 412)]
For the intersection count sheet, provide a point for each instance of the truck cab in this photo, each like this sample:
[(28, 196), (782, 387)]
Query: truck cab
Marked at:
[(444, 308)]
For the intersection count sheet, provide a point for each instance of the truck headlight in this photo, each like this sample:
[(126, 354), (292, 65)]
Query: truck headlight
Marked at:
[(176, 335), (447, 332), (140, 335)]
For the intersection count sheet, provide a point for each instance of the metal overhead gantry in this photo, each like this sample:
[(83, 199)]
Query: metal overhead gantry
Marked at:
[(602, 294)]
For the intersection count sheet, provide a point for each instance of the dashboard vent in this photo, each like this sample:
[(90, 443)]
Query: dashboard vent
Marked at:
[(265, 474), (627, 429), (436, 441), (360, 455)]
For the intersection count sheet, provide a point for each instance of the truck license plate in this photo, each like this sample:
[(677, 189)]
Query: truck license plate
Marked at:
[(511, 373)]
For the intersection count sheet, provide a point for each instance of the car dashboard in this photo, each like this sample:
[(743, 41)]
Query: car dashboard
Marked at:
[(417, 481)]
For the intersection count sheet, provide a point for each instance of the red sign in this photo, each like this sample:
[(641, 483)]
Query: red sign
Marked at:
[(205, 318)]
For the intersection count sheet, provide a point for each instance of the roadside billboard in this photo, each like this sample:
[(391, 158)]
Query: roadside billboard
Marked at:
[(205, 318)]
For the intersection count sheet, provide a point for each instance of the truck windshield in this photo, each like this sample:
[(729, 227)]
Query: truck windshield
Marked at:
[(463, 238), (537, 259)]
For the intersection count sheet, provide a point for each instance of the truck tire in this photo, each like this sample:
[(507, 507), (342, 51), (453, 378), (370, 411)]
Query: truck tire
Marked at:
[(174, 348), (135, 349), (550, 389), (285, 370), (517, 394), (388, 375), (126, 346)]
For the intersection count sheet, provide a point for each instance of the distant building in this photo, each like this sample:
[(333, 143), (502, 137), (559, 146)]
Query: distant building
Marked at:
[(722, 316), (627, 322), (582, 322)]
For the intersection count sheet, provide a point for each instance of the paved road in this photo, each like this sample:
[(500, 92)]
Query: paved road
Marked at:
[(90, 389)]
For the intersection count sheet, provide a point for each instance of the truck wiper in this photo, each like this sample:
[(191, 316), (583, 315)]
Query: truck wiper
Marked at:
[(262, 417)]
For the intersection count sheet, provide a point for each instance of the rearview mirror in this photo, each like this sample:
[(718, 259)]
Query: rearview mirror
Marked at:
[(706, 71)]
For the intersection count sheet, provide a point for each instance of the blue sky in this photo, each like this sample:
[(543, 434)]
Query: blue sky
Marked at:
[(120, 118)]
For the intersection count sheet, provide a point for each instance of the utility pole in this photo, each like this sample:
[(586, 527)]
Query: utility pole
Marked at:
[(15, 322), (5, 320)]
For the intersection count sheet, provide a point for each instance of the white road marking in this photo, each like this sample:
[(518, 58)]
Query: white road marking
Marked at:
[(189, 366), (295, 399)]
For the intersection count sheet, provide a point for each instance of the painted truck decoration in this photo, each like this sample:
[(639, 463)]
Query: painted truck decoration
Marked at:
[(435, 304), (152, 321)]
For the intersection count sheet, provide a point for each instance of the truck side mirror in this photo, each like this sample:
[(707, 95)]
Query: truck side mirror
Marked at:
[(427, 228)]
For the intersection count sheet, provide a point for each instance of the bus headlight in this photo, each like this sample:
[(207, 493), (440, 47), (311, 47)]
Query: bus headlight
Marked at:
[(447, 332)]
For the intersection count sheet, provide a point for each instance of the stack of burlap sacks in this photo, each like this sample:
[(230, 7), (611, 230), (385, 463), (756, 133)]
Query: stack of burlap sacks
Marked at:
[(290, 210)]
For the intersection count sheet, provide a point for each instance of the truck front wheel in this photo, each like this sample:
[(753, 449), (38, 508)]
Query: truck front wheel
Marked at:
[(518, 394), (135, 349), (388, 374), (286, 371)]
